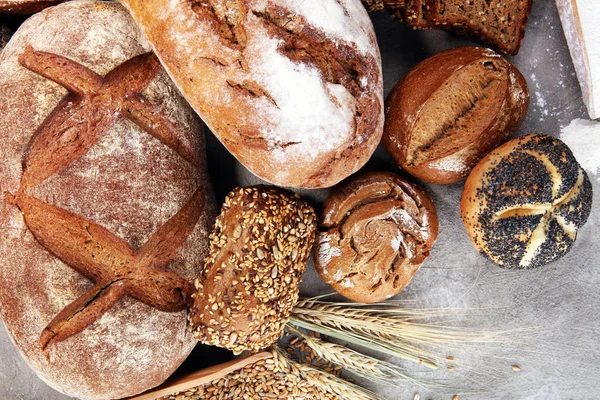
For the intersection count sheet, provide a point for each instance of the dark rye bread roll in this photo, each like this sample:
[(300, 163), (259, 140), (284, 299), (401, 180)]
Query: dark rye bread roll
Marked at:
[(292, 88), (452, 109), (374, 234), (259, 247), (105, 203), (25, 6), (523, 204)]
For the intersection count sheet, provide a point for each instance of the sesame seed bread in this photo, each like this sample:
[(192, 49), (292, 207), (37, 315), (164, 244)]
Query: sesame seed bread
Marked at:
[(259, 247), (375, 232), (105, 203), (523, 204), (25, 6), (452, 109), (292, 88)]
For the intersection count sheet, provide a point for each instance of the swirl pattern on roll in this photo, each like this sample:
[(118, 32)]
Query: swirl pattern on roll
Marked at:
[(374, 234)]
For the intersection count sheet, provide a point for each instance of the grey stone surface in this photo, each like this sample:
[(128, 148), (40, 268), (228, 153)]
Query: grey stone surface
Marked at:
[(557, 305)]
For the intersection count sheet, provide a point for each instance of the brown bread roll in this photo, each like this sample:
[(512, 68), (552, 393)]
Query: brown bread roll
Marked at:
[(258, 251), (25, 6), (374, 234), (451, 110), (523, 204), (292, 88), (105, 203)]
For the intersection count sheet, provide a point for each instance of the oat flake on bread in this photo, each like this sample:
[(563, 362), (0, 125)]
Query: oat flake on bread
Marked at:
[(292, 88)]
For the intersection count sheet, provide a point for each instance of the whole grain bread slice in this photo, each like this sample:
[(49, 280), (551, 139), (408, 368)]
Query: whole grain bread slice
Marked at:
[(498, 23), (417, 12)]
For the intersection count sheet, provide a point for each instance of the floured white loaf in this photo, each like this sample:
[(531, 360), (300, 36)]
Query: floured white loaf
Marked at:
[(292, 88), (580, 20)]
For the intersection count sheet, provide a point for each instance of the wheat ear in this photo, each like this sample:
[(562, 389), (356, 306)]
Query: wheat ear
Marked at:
[(324, 380)]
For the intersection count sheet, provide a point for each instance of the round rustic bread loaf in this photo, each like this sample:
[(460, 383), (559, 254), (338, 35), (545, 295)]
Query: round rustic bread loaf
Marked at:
[(375, 232), (292, 88), (25, 6), (105, 203), (258, 251), (523, 204), (451, 110)]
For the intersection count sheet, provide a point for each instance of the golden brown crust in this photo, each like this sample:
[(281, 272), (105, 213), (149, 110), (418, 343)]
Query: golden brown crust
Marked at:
[(259, 247), (375, 232), (523, 204), (105, 203), (25, 6), (273, 79), (451, 110)]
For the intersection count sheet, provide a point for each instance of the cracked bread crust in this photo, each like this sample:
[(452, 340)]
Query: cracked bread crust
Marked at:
[(523, 204), (451, 110), (293, 88), (102, 180), (374, 234)]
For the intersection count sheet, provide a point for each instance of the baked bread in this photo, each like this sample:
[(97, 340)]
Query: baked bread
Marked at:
[(259, 247), (523, 204), (499, 24), (451, 110), (25, 6), (579, 20), (375, 232), (293, 88), (105, 203)]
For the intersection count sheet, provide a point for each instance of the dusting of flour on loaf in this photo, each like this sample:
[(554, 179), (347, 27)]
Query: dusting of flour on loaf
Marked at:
[(331, 17), (326, 251), (299, 102), (583, 138)]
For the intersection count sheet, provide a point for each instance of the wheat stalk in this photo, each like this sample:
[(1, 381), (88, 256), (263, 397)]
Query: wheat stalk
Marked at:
[(324, 380), (397, 331), (357, 362)]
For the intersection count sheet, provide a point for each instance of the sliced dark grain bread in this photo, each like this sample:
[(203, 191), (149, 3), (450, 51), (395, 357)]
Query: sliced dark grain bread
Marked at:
[(498, 23), (416, 14)]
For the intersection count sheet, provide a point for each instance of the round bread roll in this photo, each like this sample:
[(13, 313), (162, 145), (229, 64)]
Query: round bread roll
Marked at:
[(523, 204), (292, 88), (258, 252), (25, 6), (451, 110), (105, 203), (374, 234)]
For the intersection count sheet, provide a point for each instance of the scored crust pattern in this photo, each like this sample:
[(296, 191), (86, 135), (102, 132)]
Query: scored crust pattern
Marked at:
[(375, 233), (82, 117), (526, 202)]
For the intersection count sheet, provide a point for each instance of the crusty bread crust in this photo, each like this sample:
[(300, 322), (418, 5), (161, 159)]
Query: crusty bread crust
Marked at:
[(292, 88), (451, 110), (126, 189), (375, 232), (25, 6)]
